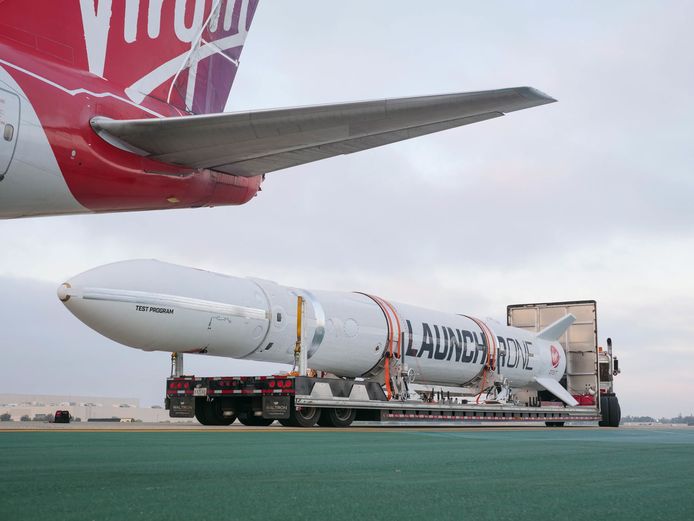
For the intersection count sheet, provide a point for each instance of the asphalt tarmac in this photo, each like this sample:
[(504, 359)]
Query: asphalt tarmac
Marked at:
[(138, 471), (275, 427)]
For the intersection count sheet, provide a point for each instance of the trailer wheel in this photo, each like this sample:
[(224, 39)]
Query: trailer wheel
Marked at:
[(220, 419), (610, 411), (207, 413), (604, 411), (228, 420), (201, 411), (250, 420), (337, 417), (614, 411), (304, 417)]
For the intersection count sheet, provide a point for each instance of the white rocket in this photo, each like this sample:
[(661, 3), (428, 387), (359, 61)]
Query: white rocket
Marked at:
[(156, 306)]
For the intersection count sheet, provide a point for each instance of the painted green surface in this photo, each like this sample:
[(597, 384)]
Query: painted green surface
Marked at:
[(398, 474)]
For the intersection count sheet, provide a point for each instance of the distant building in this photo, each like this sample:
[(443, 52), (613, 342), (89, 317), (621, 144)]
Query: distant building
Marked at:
[(42, 406)]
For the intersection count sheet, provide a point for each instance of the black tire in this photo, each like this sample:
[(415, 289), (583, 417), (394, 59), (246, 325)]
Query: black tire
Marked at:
[(216, 413), (304, 417), (286, 422), (224, 420), (604, 411), (554, 424), (201, 410), (615, 412), (337, 417), (210, 413), (251, 420)]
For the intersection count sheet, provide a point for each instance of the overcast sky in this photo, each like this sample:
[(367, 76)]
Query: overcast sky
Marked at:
[(588, 198)]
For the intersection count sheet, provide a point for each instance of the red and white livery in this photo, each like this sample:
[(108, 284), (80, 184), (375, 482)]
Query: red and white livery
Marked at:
[(114, 105)]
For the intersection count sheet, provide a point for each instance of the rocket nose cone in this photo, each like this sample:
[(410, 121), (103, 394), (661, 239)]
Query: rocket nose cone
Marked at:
[(64, 292), (135, 304)]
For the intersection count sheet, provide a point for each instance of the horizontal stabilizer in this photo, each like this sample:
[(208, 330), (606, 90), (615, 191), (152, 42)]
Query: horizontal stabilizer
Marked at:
[(557, 390), (556, 330), (254, 143)]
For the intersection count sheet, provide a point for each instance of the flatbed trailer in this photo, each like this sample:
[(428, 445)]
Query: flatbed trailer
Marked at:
[(262, 399), (304, 401)]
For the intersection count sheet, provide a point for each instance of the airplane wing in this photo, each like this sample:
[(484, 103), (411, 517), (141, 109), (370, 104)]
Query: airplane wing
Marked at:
[(254, 143)]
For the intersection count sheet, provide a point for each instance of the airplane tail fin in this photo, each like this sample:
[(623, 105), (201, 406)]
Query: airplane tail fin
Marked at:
[(183, 52), (205, 79)]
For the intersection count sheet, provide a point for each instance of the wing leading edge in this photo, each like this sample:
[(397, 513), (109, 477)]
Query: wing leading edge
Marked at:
[(254, 143)]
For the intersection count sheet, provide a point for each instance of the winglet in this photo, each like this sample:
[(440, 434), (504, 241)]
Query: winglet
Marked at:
[(535, 94), (557, 390), (554, 331)]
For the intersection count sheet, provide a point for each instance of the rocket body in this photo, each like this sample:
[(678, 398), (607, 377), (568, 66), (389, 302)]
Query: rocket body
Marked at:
[(156, 306)]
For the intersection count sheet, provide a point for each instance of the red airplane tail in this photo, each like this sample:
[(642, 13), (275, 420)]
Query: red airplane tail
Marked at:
[(183, 52)]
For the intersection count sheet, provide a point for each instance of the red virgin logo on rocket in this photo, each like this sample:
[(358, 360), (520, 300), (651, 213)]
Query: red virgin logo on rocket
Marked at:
[(555, 356)]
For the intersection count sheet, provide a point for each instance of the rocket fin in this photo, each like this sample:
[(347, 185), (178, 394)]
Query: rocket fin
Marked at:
[(556, 330), (557, 390)]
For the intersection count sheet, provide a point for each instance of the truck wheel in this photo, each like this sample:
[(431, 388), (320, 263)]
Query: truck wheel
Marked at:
[(251, 420), (604, 411), (607, 403), (200, 416), (215, 413), (220, 419), (208, 413), (228, 420), (337, 417), (615, 412), (554, 424), (304, 417), (201, 411)]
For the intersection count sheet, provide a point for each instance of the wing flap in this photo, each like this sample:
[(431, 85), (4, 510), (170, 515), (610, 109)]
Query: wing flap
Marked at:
[(254, 143)]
